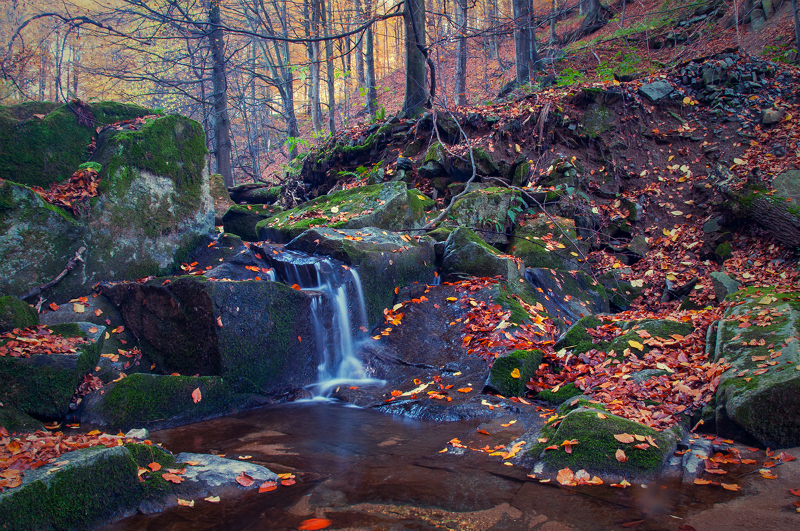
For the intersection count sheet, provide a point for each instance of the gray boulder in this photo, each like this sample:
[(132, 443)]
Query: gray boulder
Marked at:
[(656, 91)]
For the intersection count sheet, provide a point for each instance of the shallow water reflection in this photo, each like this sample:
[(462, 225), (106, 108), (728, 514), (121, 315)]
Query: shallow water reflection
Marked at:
[(365, 470)]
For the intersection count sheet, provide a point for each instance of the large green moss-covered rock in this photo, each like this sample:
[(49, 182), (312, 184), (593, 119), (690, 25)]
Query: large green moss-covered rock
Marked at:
[(760, 397), (511, 372), (155, 401), (42, 143), (16, 314), (466, 253), (258, 335), (36, 241), (596, 446), (156, 203), (384, 260), (390, 206), (548, 241), (487, 209), (567, 295), (43, 385)]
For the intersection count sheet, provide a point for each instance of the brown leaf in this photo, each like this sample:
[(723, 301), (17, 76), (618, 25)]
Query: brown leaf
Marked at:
[(172, 478), (620, 455), (244, 480), (196, 395), (624, 437)]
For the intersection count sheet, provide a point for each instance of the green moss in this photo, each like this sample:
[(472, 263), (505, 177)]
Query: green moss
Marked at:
[(144, 400), (524, 361), (529, 243), (596, 448), (577, 339), (16, 421), (564, 393), (657, 328), (576, 403), (242, 220), (16, 314), (440, 234)]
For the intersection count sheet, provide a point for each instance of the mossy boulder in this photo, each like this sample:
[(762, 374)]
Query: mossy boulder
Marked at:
[(487, 209), (16, 421), (577, 339), (659, 330), (560, 394), (596, 449), (43, 384), (567, 295), (156, 203), (467, 254), (220, 196), (155, 401), (756, 394), (242, 220), (511, 372), (548, 241), (16, 314), (384, 260), (259, 336), (36, 241), (43, 143), (390, 206), (255, 194)]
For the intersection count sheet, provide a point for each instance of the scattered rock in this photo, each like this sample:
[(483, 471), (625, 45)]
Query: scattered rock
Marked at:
[(723, 285), (656, 91)]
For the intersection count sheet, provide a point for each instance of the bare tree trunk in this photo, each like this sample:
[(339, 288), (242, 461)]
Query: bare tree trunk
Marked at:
[(494, 44), (314, 60), (329, 67), (461, 53), (416, 96), (525, 52), (222, 123), (796, 29), (369, 57), (553, 36), (359, 47)]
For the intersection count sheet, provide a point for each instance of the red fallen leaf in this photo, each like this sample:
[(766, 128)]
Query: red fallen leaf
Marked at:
[(267, 486), (730, 486), (687, 527), (244, 480), (172, 478), (314, 523), (642, 446), (796, 492), (196, 396), (698, 481), (786, 457), (396, 393), (53, 306), (620, 455), (155, 467), (296, 286), (632, 523), (287, 482), (484, 432)]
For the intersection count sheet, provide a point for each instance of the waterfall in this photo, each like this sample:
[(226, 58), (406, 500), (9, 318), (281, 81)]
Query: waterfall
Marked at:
[(338, 311)]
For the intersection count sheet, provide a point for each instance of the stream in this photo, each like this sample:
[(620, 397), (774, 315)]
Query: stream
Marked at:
[(366, 470)]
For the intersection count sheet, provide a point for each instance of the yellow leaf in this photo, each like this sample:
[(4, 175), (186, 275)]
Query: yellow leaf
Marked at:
[(686, 101), (676, 213), (212, 499), (515, 373), (451, 299), (421, 197), (78, 308), (739, 162), (334, 209), (601, 416), (663, 367), (186, 503), (636, 345), (517, 148)]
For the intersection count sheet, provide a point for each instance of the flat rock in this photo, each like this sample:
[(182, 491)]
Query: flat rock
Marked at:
[(214, 471), (656, 91)]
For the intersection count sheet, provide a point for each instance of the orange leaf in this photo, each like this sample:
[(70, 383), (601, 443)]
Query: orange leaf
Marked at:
[(465, 390), (186, 503), (296, 286), (244, 480), (796, 492), (155, 467), (267, 486), (566, 476), (172, 478), (730, 486), (287, 482), (314, 523), (53, 306), (698, 481), (196, 395), (396, 393), (624, 437), (620, 455)]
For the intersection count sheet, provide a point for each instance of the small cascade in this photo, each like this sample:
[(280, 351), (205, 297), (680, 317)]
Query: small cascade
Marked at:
[(338, 311)]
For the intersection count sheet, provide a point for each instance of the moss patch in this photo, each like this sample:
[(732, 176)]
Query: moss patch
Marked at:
[(522, 363), (564, 393), (16, 314)]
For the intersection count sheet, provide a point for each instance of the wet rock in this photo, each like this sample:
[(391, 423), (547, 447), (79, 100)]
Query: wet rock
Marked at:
[(567, 295), (466, 253), (404, 163), (389, 206), (638, 246), (723, 285), (258, 335), (241, 220), (255, 194), (656, 91), (43, 385), (788, 186), (220, 196), (213, 471), (754, 395), (140, 434)]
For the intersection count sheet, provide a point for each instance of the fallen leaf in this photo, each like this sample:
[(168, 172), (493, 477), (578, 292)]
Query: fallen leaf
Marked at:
[(172, 478), (155, 467), (698, 481), (624, 437), (212, 499), (465, 390), (566, 477), (186, 503), (267, 486), (196, 395), (620, 455), (53, 306), (244, 480), (314, 523), (730, 486), (515, 373)]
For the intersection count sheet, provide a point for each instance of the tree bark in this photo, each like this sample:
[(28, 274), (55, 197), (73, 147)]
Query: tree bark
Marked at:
[(369, 59), (416, 96), (461, 54), (314, 67), (360, 80), (222, 123), (329, 68), (796, 30), (525, 52)]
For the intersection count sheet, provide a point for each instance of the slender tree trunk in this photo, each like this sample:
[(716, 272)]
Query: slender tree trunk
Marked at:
[(369, 65), (553, 36), (222, 124), (416, 96), (359, 47), (314, 66), (522, 40), (796, 29), (461, 54), (494, 42), (329, 70)]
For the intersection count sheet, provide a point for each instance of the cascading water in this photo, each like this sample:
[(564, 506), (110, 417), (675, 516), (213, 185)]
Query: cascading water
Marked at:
[(338, 297)]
